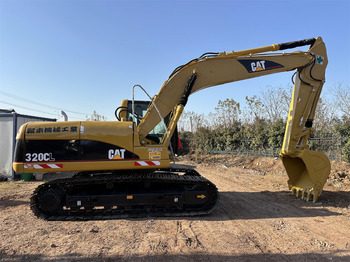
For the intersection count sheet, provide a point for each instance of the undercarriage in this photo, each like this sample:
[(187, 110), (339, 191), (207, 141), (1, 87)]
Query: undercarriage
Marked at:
[(125, 194)]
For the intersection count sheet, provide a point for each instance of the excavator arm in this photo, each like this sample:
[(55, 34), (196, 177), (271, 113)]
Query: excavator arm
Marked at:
[(307, 170)]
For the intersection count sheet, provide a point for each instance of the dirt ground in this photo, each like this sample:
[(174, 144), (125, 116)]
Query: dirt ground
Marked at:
[(257, 220)]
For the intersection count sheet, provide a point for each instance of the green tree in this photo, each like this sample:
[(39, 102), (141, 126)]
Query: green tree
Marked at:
[(204, 140), (233, 136), (346, 151), (343, 129), (260, 135), (276, 134), (186, 139)]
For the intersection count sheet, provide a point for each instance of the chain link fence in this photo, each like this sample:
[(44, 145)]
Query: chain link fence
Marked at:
[(331, 146)]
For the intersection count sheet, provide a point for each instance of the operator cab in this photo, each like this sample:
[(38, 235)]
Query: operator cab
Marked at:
[(124, 113)]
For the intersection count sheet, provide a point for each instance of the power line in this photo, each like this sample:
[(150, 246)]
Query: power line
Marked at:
[(35, 110), (40, 104), (27, 108)]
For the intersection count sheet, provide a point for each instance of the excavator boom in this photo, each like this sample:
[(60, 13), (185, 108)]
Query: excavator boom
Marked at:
[(221, 68)]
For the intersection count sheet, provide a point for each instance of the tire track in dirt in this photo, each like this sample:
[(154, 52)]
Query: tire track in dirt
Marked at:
[(186, 236)]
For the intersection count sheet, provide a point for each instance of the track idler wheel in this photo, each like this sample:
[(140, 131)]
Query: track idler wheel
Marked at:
[(50, 200)]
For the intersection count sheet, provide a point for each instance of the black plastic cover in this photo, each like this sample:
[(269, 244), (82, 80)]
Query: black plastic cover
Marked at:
[(294, 44)]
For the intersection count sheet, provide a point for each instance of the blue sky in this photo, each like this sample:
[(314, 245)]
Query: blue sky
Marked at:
[(81, 56)]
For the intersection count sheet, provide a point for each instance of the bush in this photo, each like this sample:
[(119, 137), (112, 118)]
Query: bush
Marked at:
[(343, 129), (346, 151), (276, 134), (186, 139), (263, 136)]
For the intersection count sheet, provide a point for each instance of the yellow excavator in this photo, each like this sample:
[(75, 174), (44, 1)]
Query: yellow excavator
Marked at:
[(123, 168)]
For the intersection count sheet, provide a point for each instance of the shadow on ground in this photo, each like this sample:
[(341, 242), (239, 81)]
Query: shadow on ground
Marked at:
[(180, 257)]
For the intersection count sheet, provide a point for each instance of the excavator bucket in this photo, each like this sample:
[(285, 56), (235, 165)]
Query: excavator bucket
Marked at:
[(308, 172)]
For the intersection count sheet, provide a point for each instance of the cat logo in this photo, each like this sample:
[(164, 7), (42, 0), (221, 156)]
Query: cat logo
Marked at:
[(254, 65), (258, 65), (116, 154)]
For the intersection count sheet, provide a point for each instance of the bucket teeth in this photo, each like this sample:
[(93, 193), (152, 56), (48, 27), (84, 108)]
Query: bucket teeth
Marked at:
[(306, 194), (307, 171)]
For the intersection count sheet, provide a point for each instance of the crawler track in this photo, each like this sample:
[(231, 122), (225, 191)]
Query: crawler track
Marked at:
[(110, 195)]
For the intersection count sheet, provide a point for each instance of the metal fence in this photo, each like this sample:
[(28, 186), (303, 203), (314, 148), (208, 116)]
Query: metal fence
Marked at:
[(331, 146), (247, 152)]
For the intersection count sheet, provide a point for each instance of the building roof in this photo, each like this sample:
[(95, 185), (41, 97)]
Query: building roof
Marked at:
[(11, 112)]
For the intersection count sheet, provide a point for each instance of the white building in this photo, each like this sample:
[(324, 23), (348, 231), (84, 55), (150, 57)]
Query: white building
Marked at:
[(10, 122)]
